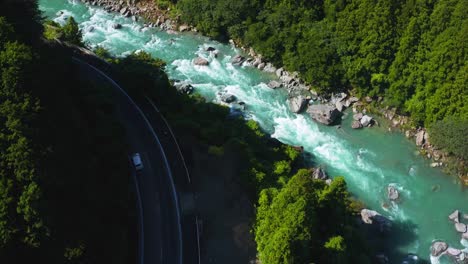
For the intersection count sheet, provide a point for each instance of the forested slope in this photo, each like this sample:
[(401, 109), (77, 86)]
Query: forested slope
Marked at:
[(64, 185), (412, 52)]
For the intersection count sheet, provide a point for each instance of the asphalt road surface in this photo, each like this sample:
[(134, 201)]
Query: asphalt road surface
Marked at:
[(161, 238)]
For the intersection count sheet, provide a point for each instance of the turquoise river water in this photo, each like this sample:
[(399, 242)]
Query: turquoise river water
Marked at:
[(370, 159)]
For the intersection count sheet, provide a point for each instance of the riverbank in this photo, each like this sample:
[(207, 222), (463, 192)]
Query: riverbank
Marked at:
[(300, 93)]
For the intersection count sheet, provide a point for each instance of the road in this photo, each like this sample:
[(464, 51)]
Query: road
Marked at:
[(161, 236)]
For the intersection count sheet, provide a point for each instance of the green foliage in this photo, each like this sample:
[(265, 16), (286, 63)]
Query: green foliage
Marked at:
[(336, 244), (413, 52), (62, 158), (52, 30), (450, 134), (71, 32), (290, 227)]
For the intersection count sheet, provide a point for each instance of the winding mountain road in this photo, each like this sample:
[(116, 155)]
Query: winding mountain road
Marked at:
[(160, 223)]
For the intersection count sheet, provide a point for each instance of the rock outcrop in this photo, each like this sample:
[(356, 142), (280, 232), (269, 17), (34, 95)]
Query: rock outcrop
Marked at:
[(184, 87), (420, 137), (438, 248), (319, 174), (325, 114)]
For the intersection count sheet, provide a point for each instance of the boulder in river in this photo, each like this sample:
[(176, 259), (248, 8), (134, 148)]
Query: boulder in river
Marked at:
[(325, 114), (200, 61), (453, 251), (373, 217), (116, 26), (319, 174), (238, 59), (297, 104), (438, 248), (261, 66), (274, 84), (209, 48), (460, 227), (392, 193), (228, 98), (356, 124), (420, 138), (366, 120), (455, 216)]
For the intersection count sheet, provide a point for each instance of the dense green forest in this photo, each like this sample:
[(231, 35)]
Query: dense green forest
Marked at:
[(411, 52), (64, 182)]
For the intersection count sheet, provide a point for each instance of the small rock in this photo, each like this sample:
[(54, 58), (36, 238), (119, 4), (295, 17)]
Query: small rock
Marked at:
[(319, 174), (116, 26), (392, 193), (356, 124), (228, 98), (435, 164), (465, 235), (465, 216), (256, 62), (460, 227), (365, 120), (209, 49), (274, 84), (408, 134), (357, 116), (279, 72), (183, 28), (438, 248), (261, 66), (200, 61), (328, 181), (455, 216), (123, 10), (134, 18), (238, 59), (59, 13), (368, 99), (269, 68)]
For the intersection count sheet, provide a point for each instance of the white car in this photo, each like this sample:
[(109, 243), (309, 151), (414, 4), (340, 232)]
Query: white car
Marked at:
[(136, 159)]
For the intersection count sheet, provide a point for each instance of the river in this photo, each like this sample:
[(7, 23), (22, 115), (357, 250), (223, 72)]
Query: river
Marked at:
[(370, 159)]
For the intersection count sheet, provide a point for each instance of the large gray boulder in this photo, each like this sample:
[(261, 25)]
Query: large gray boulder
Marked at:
[(373, 217), (455, 216), (297, 104), (366, 120), (357, 116), (325, 114), (392, 193), (319, 174), (438, 248), (200, 61), (116, 26), (274, 84), (420, 138), (460, 227), (279, 72), (453, 251)]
